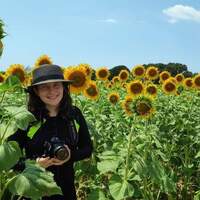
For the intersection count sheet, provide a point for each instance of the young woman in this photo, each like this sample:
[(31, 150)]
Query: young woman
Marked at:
[(61, 135)]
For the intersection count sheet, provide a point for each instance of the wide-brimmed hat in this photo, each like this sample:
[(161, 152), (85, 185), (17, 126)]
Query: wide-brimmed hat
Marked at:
[(46, 74)]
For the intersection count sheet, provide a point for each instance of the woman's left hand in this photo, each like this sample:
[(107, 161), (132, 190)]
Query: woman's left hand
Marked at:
[(56, 161)]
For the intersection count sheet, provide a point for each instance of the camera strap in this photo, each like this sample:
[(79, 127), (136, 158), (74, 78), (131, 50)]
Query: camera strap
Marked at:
[(73, 125)]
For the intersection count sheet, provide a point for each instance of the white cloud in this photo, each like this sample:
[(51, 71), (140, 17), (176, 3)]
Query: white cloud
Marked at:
[(181, 12), (110, 20)]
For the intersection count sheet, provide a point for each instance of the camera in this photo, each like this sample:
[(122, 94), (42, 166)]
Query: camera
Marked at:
[(56, 148)]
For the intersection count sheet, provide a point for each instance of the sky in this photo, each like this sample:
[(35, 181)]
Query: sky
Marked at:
[(101, 32)]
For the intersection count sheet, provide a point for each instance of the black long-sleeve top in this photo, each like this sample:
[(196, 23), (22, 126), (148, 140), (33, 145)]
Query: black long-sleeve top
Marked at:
[(59, 127)]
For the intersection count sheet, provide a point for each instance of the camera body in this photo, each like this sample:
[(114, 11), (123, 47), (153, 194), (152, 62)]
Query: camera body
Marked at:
[(55, 148)]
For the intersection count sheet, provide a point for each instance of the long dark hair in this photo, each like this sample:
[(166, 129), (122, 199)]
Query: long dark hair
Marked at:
[(37, 107)]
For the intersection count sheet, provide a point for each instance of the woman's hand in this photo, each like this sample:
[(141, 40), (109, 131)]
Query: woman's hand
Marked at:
[(47, 161), (44, 161)]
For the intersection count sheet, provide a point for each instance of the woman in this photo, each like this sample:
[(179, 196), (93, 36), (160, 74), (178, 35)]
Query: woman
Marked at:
[(60, 137)]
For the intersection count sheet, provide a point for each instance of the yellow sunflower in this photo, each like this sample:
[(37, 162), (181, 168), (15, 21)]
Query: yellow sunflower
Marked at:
[(164, 76), (115, 79), (196, 81), (102, 73), (126, 105), (17, 70), (179, 78), (91, 91), (152, 73), (87, 68), (169, 87), (138, 71), (143, 107), (1, 78), (123, 75), (188, 83), (151, 90), (135, 88), (113, 97), (42, 60), (79, 78)]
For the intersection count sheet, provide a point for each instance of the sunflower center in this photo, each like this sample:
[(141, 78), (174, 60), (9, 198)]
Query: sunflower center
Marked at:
[(136, 88), (143, 108), (123, 75), (91, 91), (1, 78), (139, 71), (189, 83), (165, 76), (151, 90), (152, 72), (113, 99), (197, 81), (103, 73), (179, 78), (78, 78), (170, 87)]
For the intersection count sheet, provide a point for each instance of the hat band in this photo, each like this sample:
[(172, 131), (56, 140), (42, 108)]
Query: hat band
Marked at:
[(49, 77)]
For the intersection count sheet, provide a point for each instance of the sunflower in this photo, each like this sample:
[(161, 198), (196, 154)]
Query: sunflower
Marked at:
[(151, 90), (144, 107), (79, 78), (196, 81), (91, 91), (138, 71), (102, 73), (126, 105), (164, 76), (135, 88), (42, 60), (152, 73), (113, 97), (16, 70), (87, 68), (115, 79), (108, 85), (1, 78), (188, 83), (179, 78), (169, 87), (123, 75)]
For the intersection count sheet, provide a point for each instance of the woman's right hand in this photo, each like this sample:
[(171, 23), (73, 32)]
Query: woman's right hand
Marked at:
[(44, 161)]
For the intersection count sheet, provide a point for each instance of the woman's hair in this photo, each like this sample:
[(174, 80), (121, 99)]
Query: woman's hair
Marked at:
[(37, 107)]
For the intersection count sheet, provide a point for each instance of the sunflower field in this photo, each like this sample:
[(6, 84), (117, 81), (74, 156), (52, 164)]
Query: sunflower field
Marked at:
[(145, 127)]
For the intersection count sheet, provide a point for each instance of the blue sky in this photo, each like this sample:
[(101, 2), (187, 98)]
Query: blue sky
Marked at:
[(102, 32)]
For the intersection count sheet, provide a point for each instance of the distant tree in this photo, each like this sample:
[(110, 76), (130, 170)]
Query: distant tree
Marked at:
[(116, 70), (173, 68)]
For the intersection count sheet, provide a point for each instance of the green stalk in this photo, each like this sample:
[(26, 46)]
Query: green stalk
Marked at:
[(6, 185), (128, 154)]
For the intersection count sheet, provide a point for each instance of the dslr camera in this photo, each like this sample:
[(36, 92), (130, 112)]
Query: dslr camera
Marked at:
[(56, 148)]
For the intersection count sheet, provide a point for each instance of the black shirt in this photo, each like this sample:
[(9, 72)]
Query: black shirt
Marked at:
[(59, 126)]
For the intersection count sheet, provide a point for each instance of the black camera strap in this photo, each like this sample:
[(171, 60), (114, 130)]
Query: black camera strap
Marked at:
[(73, 133)]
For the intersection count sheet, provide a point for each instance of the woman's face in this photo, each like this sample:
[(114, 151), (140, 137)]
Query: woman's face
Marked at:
[(50, 93)]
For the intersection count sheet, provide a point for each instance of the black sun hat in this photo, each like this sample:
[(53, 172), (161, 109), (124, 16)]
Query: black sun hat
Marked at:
[(46, 74)]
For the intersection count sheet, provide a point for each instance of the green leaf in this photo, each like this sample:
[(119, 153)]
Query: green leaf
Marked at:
[(7, 130), (97, 195), (109, 162), (21, 116), (34, 182), (9, 155), (198, 155), (120, 189)]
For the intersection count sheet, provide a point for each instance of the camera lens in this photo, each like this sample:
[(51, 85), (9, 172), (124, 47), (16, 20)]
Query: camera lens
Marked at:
[(62, 153)]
